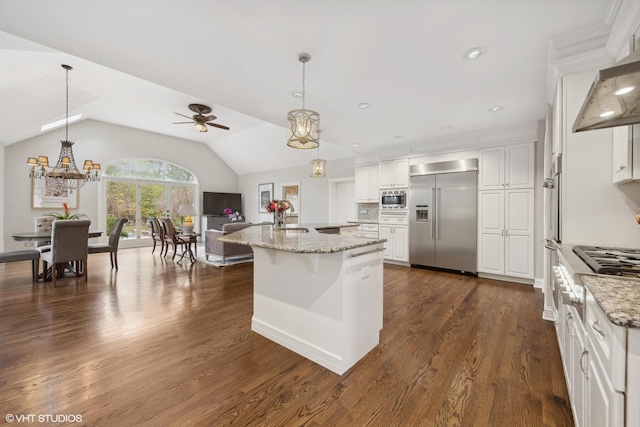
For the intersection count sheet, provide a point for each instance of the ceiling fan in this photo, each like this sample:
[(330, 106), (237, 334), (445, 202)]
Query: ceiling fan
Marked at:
[(201, 121)]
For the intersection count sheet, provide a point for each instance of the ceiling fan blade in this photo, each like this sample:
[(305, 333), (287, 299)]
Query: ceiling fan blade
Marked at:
[(210, 118), (188, 117), (215, 125), (182, 123)]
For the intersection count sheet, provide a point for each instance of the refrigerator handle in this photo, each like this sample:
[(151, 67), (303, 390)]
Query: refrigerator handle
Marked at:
[(438, 214), (433, 211)]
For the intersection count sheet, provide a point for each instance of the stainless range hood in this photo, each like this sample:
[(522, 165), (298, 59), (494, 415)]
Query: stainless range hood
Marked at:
[(614, 97)]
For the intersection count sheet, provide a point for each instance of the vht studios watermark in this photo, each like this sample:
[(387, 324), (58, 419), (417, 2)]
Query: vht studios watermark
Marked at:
[(43, 418)]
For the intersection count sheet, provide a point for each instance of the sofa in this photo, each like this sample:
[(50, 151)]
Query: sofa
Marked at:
[(212, 246)]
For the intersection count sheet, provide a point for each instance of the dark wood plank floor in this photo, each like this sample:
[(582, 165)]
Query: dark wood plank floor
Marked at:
[(159, 344)]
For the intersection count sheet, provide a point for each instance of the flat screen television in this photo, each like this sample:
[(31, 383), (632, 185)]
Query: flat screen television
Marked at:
[(216, 203)]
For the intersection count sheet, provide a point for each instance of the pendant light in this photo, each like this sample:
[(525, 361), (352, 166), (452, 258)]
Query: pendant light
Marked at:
[(65, 175), (317, 166), (303, 123)]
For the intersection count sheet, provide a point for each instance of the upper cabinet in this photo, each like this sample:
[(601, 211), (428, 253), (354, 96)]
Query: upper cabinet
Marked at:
[(507, 167), (367, 184), (394, 174)]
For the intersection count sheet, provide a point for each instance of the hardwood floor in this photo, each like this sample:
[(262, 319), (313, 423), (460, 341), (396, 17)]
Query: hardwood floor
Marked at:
[(157, 343)]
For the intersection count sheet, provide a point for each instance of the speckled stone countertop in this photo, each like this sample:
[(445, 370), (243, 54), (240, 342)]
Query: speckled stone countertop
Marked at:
[(293, 239), (364, 221), (619, 298)]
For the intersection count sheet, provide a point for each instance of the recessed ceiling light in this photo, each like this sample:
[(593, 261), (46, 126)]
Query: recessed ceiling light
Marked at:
[(607, 114), (60, 122), (495, 109), (364, 105), (624, 90), (296, 94), (474, 53), (355, 144), (445, 127)]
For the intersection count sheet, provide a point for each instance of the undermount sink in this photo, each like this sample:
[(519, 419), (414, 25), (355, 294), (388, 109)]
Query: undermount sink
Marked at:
[(296, 230)]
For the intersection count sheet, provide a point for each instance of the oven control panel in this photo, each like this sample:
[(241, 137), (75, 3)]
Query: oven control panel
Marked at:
[(569, 292)]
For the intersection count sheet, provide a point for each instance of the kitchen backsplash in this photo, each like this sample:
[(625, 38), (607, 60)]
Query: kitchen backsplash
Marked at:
[(368, 211)]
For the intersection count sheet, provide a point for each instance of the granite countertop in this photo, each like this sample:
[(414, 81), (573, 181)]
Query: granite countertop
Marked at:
[(294, 239), (618, 297)]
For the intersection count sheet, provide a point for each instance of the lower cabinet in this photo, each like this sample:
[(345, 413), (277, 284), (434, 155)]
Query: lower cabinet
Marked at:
[(601, 363), (369, 231), (505, 233), (397, 245)]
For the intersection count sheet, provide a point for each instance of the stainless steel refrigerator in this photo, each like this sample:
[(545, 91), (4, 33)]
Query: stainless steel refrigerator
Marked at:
[(443, 215)]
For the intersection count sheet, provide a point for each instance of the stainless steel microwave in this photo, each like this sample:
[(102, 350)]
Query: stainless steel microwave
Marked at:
[(393, 199)]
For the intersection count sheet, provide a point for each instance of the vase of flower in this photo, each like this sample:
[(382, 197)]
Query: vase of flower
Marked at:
[(278, 208)]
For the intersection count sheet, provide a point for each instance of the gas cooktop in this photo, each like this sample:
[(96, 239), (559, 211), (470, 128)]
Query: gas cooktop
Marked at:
[(615, 261)]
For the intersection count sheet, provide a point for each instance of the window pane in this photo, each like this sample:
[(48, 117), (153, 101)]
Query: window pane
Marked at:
[(153, 204), (151, 170), (121, 202), (180, 195)]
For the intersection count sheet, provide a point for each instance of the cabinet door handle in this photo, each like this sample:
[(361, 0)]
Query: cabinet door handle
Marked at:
[(569, 323), (506, 232), (596, 327), (622, 167), (585, 352)]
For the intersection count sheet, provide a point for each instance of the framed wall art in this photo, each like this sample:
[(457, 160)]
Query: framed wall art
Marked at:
[(45, 196), (265, 195)]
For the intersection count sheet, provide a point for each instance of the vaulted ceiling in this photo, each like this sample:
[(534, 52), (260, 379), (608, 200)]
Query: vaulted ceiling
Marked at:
[(136, 63)]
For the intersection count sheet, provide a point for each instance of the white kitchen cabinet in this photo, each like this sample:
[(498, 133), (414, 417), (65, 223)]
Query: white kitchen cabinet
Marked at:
[(604, 406), (626, 154), (507, 167), (369, 231), (505, 233), (397, 245), (394, 174), (366, 182)]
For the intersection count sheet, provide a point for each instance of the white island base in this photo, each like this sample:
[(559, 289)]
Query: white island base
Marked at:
[(326, 307)]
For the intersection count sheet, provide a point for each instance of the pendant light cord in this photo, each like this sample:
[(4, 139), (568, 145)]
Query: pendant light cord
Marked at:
[(304, 92), (67, 100)]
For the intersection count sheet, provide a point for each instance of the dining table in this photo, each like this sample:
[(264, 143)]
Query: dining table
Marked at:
[(44, 237)]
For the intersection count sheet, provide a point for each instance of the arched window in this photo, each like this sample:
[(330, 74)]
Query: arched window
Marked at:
[(140, 189)]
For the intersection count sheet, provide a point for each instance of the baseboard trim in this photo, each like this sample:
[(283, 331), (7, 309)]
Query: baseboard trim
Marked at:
[(313, 353), (538, 283), (506, 278)]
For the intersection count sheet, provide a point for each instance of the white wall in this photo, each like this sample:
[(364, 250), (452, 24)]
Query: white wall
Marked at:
[(314, 192), (595, 211), (2, 192), (103, 143)]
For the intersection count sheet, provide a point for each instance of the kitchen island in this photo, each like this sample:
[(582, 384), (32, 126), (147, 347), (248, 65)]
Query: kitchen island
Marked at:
[(319, 295)]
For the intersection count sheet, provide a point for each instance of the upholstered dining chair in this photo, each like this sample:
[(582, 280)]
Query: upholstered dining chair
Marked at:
[(171, 237), (69, 243), (112, 245), (157, 234)]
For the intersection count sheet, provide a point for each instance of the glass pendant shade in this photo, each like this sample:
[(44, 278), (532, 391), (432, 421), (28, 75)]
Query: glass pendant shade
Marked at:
[(317, 168), (200, 127)]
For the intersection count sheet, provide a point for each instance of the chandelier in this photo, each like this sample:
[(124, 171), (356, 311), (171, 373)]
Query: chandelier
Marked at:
[(303, 123), (317, 166), (65, 175)]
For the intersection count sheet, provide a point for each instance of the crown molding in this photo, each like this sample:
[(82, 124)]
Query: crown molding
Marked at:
[(513, 134), (624, 16)]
